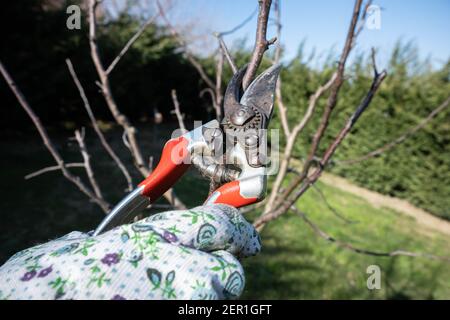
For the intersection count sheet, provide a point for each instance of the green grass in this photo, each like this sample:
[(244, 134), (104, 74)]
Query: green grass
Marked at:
[(297, 264), (294, 263)]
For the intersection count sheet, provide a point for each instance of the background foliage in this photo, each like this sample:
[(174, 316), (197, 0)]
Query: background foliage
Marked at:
[(417, 170)]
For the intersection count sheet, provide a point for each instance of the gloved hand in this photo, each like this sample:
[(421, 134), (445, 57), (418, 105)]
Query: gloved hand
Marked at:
[(187, 254)]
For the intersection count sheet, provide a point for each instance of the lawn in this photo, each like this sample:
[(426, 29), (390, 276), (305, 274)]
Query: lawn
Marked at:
[(294, 263), (297, 264)]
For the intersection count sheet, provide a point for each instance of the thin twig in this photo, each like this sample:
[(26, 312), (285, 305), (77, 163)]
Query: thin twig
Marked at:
[(120, 118), (53, 168), (292, 138), (397, 140), (223, 47), (330, 207), (130, 43), (278, 96), (331, 102), (325, 200), (97, 129), (48, 143), (87, 163), (288, 198), (218, 87), (240, 25), (226, 52), (348, 246), (261, 43), (183, 44), (176, 110)]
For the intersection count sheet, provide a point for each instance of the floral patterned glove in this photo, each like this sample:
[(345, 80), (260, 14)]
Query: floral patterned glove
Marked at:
[(187, 254)]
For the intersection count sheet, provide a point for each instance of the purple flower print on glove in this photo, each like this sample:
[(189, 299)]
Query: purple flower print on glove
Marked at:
[(110, 259), (28, 275), (44, 272)]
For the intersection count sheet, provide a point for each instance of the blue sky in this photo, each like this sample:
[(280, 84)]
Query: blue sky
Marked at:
[(323, 24)]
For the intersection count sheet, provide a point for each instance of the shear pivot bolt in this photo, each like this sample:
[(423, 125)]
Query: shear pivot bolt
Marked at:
[(251, 140)]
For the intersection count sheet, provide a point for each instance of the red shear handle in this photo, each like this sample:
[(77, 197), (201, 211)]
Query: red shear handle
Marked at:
[(230, 194), (171, 167)]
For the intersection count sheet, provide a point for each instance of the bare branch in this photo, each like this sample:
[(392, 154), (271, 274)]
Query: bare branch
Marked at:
[(130, 43), (176, 110), (335, 86), (218, 86), (223, 47), (183, 44), (87, 163), (329, 206), (289, 194), (240, 25), (48, 143), (278, 96), (261, 43), (53, 168), (120, 118), (399, 139), (348, 246), (97, 129), (226, 52), (293, 137)]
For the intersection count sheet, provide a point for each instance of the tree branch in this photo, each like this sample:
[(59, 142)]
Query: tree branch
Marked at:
[(287, 154), (97, 129), (79, 137), (120, 118), (48, 143), (278, 96), (53, 168), (176, 111), (223, 47), (183, 44), (130, 43), (226, 52), (397, 140), (261, 43), (307, 181), (331, 102), (348, 246)]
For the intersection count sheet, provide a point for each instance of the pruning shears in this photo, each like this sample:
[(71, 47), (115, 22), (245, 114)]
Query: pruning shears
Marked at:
[(232, 153)]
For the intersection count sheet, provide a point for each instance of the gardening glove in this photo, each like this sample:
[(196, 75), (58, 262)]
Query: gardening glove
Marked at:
[(186, 254)]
